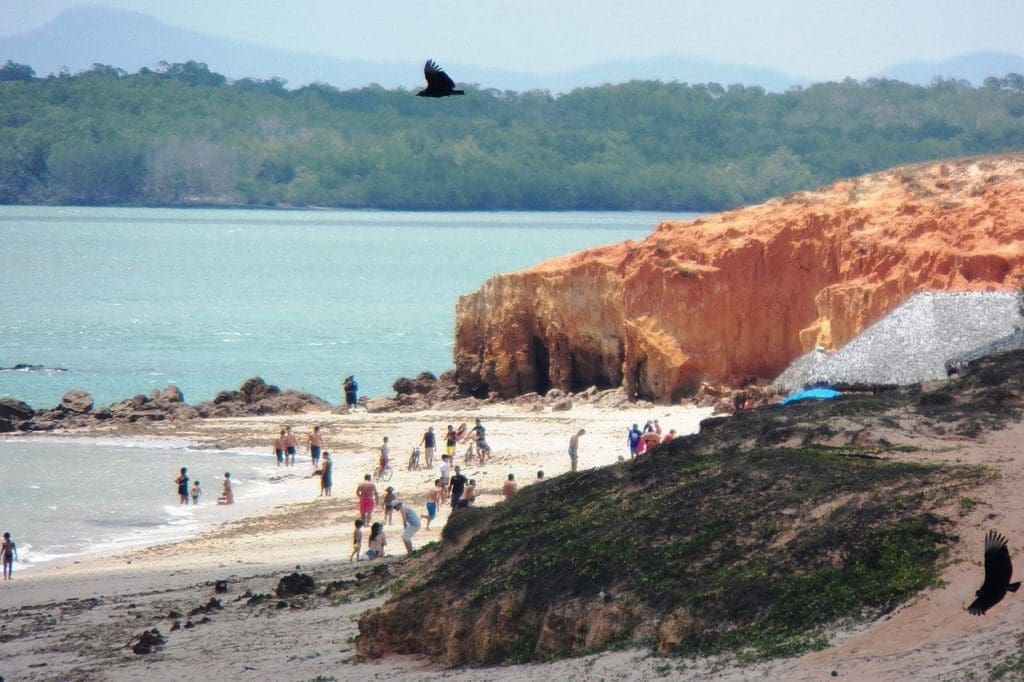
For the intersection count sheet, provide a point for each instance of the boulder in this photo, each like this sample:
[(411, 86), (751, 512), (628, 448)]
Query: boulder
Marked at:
[(256, 389), (422, 384), (76, 401), (15, 410), (295, 584), (171, 394), (735, 297), (381, 404)]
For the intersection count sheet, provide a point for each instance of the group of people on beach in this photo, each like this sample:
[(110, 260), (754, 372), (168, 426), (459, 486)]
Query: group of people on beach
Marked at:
[(643, 441), (195, 492), (452, 487)]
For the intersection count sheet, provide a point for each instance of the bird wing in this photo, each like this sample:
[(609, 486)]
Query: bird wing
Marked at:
[(436, 77), (998, 567), (982, 604)]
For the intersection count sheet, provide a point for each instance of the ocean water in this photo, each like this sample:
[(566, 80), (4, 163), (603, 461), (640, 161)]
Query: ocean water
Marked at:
[(68, 496), (121, 301)]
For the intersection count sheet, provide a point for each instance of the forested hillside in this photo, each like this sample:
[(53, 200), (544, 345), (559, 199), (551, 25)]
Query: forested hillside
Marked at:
[(183, 135)]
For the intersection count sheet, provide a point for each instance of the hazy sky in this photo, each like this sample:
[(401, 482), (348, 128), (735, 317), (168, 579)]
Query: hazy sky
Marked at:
[(819, 39)]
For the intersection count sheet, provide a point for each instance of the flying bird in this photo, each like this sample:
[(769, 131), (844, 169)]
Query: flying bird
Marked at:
[(998, 569), (439, 84)]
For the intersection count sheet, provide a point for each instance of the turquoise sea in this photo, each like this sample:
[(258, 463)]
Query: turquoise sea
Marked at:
[(127, 299), (120, 301)]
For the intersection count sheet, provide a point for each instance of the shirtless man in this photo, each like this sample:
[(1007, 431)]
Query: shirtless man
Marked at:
[(278, 447), (369, 498), (510, 488), (434, 498), (291, 445), (314, 443)]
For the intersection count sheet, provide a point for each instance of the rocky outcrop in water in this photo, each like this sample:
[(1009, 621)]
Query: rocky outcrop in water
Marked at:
[(733, 298)]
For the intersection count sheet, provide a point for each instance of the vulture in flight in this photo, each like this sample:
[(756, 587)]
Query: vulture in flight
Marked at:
[(998, 570), (439, 84)]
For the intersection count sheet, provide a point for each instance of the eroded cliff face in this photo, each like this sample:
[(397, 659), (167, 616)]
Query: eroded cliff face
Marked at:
[(736, 296)]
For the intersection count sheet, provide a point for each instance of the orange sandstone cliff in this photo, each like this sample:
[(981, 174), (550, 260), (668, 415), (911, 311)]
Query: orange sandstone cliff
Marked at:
[(735, 297)]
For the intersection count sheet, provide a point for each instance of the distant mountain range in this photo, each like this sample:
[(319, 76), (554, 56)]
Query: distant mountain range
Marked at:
[(81, 37)]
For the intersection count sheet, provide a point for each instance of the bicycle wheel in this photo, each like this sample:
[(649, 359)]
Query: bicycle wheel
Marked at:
[(386, 474)]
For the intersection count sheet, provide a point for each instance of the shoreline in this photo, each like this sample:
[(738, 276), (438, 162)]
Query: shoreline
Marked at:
[(290, 492), (262, 491)]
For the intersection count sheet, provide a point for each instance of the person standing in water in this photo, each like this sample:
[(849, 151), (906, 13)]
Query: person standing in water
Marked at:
[(278, 448), (10, 552), (227, 495), (291, 445), (182, 481)]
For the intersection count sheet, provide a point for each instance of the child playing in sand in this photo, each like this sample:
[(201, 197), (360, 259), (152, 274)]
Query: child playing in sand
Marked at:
[(357, 540), (389, 499), (196, 492), (226, 497), (10, 552), (433, 498), (377, 542)]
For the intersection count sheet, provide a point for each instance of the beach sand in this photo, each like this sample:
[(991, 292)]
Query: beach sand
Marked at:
[(76, 619)]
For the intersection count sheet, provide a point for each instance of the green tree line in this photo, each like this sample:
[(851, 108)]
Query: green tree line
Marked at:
[(183, 135)]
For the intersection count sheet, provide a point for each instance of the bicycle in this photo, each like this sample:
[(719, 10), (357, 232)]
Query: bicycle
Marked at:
[(383, 475)]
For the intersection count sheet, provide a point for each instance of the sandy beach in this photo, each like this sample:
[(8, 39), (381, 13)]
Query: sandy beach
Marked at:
[(77, 619), (74, 619)]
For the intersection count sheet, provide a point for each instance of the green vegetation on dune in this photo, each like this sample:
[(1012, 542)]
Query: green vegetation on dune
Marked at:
[(183, 135), (746, 542)]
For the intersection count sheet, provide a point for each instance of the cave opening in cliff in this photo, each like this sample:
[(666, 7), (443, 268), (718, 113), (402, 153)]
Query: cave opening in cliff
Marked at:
[(541, 365), (589, 368)]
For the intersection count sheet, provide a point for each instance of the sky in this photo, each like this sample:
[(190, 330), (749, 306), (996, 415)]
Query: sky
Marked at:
[(819, 39)]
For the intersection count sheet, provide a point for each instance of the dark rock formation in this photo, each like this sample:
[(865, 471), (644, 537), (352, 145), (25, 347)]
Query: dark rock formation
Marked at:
[(78, 402), (14, 413), (295, 584), (147, 641), (254, 397), (257, 397)]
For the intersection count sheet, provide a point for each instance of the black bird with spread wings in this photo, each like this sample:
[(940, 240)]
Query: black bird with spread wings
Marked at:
[(439, 84), (998, 569)]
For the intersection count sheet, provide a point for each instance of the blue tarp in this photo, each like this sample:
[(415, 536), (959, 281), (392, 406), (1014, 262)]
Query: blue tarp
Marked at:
[(812, 394)]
